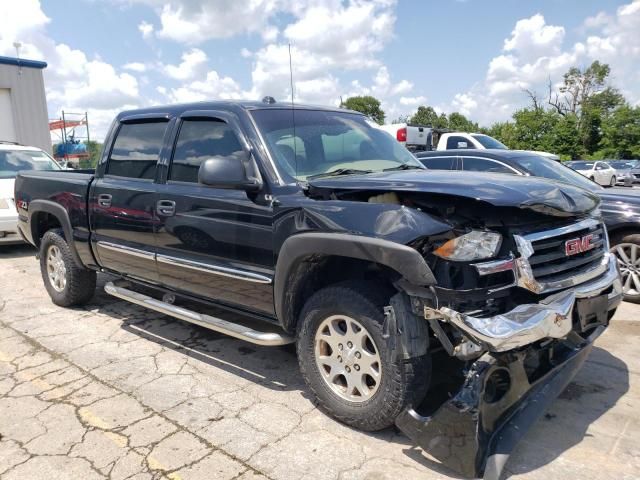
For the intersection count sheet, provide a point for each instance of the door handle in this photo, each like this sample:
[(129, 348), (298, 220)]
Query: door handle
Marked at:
[(166, 208), (104, 200)]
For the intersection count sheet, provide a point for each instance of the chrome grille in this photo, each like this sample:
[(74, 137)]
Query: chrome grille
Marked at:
[(550, 260), (545, 264)]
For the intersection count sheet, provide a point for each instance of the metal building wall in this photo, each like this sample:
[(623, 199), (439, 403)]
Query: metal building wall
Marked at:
[(29, 103)]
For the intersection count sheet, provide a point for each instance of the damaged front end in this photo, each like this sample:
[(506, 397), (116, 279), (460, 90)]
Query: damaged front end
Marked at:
[(517, 363)]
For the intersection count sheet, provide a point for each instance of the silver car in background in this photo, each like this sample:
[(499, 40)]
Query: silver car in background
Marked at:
[(14, 158), (627, 171)]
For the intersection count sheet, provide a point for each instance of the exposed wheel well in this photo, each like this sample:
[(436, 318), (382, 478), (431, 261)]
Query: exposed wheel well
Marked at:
[(618, 234), (41, 223), (314, 272)]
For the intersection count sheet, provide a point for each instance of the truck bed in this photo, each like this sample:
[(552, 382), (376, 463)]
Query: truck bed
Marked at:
[(39, 193)]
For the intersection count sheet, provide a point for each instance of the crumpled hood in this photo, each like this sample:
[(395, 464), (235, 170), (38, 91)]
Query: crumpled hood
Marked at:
[(500, 190), (6, 187)]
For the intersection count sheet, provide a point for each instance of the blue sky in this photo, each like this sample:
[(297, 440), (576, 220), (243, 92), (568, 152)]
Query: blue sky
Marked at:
[(472, 56)]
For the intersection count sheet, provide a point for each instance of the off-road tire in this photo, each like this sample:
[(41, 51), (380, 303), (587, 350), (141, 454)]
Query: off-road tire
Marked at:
[(80, 282), (403, 381), (621, 239)]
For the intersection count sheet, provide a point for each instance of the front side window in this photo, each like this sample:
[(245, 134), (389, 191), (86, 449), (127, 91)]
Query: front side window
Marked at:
[(540, 166), (475, 164), (136, 150), (12, 161), (199, 140), (315, 142)]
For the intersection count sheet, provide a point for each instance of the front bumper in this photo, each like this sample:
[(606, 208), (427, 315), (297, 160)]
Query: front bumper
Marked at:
[(525, 324), (504, 392)]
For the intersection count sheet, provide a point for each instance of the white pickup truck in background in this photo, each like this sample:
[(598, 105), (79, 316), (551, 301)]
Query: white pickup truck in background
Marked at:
[(421, 138)]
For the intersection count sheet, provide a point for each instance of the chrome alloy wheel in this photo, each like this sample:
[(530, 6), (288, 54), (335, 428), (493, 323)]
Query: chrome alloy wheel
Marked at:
[(628, 256), (347, 358), (56, 269)]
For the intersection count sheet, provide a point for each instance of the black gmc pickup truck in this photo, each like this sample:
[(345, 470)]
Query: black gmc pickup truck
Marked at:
[(455, 305)]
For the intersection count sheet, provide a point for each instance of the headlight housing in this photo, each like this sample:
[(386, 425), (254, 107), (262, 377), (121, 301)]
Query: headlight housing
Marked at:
[(475, 245)]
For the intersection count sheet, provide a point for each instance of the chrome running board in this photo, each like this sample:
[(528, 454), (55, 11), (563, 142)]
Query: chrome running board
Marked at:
[(207, 321)]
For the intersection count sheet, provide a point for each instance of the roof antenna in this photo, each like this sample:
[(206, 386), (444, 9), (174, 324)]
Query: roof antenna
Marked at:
[(293, 113)]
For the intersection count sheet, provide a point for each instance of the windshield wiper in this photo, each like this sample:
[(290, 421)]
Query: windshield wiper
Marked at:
[(404, 166), (338, 172)]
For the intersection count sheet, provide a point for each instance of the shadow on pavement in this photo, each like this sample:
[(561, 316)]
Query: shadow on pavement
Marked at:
[(17, 251), (273, 367)]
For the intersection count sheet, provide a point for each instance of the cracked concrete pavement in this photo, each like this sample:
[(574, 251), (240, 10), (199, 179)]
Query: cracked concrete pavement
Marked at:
[(114, 391)]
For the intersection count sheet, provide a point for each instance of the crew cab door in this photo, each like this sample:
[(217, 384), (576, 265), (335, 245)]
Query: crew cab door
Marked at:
[(121, 200), (213, 242)]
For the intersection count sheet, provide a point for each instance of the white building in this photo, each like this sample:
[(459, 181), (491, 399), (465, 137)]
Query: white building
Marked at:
[(23, 103)]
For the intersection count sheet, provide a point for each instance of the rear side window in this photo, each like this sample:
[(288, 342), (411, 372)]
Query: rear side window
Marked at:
[(454, 143), (439, 163), (199, 140), (136, 150), (475, 164)]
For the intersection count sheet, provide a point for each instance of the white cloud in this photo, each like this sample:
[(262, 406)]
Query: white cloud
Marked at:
[(193, 63), (146, 29), (535, 52), (135, 67), (413, 101), (213, 86)]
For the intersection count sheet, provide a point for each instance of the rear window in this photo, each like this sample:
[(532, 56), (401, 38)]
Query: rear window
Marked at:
[(136, 150), (455, 143)]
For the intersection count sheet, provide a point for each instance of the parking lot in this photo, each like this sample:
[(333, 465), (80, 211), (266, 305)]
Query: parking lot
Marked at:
[(114, 391)]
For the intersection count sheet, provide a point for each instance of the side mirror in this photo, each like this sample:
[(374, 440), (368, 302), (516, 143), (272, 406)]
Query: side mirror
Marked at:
[(463, 145), (229, 172)]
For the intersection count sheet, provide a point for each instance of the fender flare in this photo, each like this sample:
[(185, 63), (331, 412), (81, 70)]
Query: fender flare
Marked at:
[(403, 259), (58, 211)]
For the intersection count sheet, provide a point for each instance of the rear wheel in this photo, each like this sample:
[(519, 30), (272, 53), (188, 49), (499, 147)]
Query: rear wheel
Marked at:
[(66, 282), (627, 251), (348, 364)]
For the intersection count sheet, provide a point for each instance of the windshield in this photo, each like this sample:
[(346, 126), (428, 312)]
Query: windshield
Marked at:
[(489, 142), (624, 165), (581, 165), (323, 142), (12, 161), (543, 167)]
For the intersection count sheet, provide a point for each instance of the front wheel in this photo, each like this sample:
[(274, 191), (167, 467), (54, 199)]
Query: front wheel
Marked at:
[(627, 252), (67, 283), (612, 183), (345, 360)]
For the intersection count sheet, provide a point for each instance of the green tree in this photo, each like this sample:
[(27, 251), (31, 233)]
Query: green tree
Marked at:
[(621, 134), (368, 105), (460, 123), (428, 116)]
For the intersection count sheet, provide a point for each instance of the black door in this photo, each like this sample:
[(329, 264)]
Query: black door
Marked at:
[(121, 202), (213, 242)]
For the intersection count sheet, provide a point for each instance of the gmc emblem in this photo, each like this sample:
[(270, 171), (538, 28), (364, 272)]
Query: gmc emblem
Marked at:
[(578, 245)]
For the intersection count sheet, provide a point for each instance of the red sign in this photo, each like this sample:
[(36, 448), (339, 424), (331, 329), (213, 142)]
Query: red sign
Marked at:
[(578, 245)]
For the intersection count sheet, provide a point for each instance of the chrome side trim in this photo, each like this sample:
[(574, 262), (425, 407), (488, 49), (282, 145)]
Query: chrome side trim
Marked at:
[(135, 252), (215, 269), (213, 323)]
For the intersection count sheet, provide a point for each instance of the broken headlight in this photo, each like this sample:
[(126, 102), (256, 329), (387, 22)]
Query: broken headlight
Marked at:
[(475, 245)]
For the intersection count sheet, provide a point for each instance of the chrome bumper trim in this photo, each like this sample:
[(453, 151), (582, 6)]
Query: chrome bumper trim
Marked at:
[(525, 324)]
